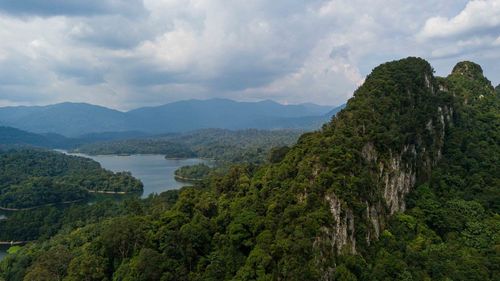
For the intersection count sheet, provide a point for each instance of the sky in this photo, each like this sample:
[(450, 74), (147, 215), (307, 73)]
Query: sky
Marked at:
[(126, 54)]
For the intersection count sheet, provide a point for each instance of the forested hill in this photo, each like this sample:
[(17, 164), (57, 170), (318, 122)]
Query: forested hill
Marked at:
[(31, 178), (15, 138), (11, 136), (251, 146), (402, 185)]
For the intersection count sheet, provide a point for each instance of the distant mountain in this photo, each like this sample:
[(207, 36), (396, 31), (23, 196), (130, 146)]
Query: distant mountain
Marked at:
[(110, 136), (303, 122), (221, 113), (13, 138), (334, 111), (10, 137), (77, 119), (69, 119)]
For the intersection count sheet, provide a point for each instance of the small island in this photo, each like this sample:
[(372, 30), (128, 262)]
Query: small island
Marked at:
[(193, 173)]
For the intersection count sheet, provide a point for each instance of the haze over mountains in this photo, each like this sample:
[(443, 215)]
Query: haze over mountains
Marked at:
[(77, 119), (11, 137)]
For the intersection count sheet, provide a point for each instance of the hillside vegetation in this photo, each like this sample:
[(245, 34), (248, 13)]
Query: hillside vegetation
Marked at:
[(402, 185), (33, 178), (250, 146), (192, 173)]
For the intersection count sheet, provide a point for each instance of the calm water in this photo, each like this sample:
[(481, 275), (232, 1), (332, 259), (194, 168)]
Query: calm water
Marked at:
[(3, 251), (155, 172)]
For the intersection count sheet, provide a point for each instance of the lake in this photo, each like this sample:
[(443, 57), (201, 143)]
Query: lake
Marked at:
[(155, 172), (3, 251)]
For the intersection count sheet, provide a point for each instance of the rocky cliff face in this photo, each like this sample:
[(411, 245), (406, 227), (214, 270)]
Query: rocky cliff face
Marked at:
[(399, 173), (397, 145), (396, 166)]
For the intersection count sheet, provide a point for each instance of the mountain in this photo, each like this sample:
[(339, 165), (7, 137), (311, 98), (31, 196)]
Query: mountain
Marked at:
[(76, 119), (315, 109), (11, 137), (69, 119), (334, 111), (402, 184), (220, 113), (111, 136), (304, 122)]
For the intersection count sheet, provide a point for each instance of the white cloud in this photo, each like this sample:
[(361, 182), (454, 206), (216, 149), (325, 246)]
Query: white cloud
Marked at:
[(477, 16), (287, 50), (469, 34)]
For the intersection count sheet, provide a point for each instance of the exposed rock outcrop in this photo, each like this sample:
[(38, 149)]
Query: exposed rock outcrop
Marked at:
[(342, 235), (397, 171)]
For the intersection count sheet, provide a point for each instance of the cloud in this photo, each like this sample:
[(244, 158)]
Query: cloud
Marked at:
[(126, 54), (470, 33), (71, 7), (113, 31), (480, 16)]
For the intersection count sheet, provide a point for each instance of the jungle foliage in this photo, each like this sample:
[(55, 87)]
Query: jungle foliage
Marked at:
[(243, 146), (274, 221), (32, 178)]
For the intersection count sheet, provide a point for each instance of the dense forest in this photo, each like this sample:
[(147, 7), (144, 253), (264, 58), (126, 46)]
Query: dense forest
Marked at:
[(192, 173), (402, 184), (249, 146), (32, 178), (138, 146)]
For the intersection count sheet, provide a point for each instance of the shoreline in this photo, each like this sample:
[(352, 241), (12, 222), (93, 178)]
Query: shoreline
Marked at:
[(39, 206), (109, 192), (183, 179), (77, 153), (13, 243)]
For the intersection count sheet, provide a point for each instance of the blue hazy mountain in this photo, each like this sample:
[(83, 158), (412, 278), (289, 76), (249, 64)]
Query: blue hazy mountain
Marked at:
[(69, 119), (77, 119), (222, 113), (12, 137)]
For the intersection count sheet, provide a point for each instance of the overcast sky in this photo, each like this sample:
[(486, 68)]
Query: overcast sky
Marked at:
[(130, 53)]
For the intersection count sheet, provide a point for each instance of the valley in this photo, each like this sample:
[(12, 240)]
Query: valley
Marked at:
[(402, 184), (321, 140)]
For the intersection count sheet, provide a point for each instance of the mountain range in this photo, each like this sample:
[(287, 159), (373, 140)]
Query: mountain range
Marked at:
[(77, 119)]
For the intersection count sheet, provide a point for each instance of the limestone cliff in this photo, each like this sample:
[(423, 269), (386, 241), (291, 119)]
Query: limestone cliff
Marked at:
[(399, 120)]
